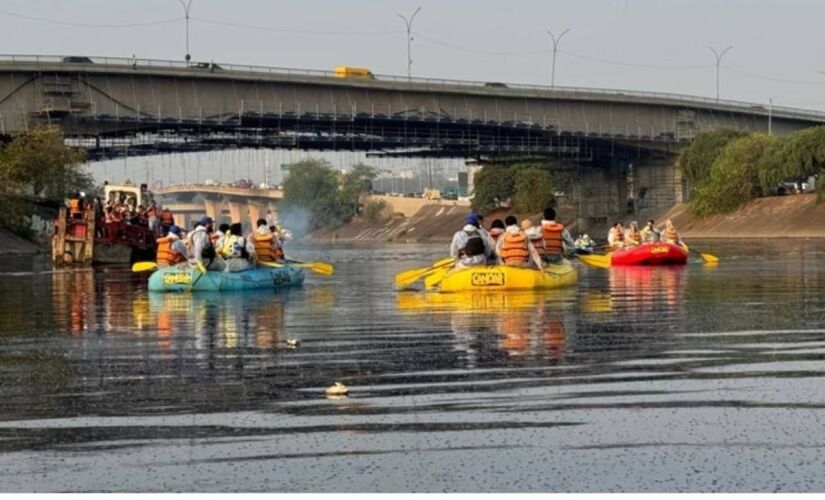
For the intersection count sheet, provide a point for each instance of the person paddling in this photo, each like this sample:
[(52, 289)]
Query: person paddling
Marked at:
[(556, 239)]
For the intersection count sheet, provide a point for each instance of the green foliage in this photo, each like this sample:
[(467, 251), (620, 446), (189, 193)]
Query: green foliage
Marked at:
[(533, 189), (312, 188), (796, 156), (492, 186), (377, 211), (38, 165), (355, 183), (734, 176), (696, 160), (323, 196)]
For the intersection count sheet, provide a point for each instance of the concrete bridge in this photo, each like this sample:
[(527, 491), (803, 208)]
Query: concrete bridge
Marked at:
[(116, 106), (190, 202)]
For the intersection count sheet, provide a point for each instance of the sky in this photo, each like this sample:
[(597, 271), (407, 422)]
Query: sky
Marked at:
[(778, 48)]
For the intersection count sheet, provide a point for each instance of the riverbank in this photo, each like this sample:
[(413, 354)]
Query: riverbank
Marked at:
[(793, 216), (429, 224), (11, 244)]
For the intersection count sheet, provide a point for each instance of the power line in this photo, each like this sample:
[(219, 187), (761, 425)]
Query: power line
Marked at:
[(89, 25), (773, 79), (636, 65), (294, 31)]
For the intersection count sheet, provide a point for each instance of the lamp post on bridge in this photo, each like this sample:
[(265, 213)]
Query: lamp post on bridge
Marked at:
[(408, 23), (186, 6), (719, 56), (770, 115), (555, 49)]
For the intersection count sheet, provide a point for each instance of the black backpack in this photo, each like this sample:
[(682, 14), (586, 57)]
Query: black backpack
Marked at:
[(475, 244)]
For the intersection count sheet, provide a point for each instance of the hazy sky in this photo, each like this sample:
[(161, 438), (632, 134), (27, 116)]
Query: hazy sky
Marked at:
[(656, 45)]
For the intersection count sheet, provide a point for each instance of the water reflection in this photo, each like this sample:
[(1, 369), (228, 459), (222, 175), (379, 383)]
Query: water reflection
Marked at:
[(488, 326)]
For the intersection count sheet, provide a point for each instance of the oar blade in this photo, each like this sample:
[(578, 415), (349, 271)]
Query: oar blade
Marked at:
[(435, 278), (142, 267), (710, 259), (322, 268), (596, 260), (407, 278)]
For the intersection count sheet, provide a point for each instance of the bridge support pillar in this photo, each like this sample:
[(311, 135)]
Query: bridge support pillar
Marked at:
[(255, 212), (214, 207)]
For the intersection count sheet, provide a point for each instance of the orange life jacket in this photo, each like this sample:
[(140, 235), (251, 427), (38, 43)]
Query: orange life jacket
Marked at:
[(74, 206), (495, 233), (553, 239), (671, 235), (165, 255), (635, 235), (166, 217), (264, 250), (514, 249)]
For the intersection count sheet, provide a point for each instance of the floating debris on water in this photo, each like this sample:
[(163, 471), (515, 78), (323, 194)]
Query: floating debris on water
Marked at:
[(337, 390)]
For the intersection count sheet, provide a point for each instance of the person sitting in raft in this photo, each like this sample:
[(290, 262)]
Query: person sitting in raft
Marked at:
[(204, 256), (533, 234), (649, 233), (237, 250), (584, 243), (170, 248), (670, 235), (514, 248), (218, 237), (470, 246), (496, 230), (615, 237), (267, 245), (632, 237), (556, 240)]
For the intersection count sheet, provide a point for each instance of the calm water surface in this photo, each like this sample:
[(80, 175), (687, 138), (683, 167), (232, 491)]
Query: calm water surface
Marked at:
[(692, 379)]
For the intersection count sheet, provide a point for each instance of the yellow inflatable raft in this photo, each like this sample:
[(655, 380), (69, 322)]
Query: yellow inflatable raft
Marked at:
[(503, 278)]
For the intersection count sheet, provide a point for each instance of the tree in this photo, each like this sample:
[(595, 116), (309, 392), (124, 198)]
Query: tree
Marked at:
[(377, 211), (37, 165), (356, 182), (796, 156), (492, 186), (533, 189), (734, 176), (696, 160), (312, 197)]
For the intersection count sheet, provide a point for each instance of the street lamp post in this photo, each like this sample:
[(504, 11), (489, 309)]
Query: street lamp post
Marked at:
[(770, 116), (555, 49), (719, 56), (408, 23), (186, 6)]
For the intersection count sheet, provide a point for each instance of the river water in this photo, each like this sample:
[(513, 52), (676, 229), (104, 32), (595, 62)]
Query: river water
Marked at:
[(638, 379)]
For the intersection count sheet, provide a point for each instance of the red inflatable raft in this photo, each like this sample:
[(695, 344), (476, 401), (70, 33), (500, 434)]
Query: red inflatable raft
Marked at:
[(650, 254)]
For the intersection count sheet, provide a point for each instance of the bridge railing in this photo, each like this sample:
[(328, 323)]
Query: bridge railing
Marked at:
[(199, 66)]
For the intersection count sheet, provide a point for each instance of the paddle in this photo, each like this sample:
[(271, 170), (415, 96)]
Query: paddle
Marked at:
[(322, 268), (595, 260), (141, 267), (708, 258), (432, 280), (407, 278)]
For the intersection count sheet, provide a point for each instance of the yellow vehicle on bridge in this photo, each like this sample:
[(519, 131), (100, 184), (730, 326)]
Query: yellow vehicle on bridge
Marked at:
[(353, 72)]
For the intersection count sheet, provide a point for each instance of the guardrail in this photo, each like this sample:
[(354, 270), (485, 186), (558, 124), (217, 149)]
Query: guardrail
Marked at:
[(199, 66)]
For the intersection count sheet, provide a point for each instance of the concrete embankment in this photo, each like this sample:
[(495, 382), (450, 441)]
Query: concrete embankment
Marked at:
[(11, 244), (793, 216)]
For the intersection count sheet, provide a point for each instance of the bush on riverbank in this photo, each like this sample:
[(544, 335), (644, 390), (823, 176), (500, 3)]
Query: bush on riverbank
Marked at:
[(743, 167), (377, 211)]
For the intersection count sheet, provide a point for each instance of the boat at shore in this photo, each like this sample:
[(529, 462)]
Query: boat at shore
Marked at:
[(650, 254), (185, 278), (501, 277)]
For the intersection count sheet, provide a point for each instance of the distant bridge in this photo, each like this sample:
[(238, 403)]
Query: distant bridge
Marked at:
[(222, 203), (116, 106)]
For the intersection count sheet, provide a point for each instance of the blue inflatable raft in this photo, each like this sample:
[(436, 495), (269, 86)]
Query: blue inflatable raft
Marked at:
[(184, 278)]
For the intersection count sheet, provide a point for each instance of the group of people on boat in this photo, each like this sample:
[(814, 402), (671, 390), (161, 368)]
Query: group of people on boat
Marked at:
[(510, 242), (620, 237), (226, 248)]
